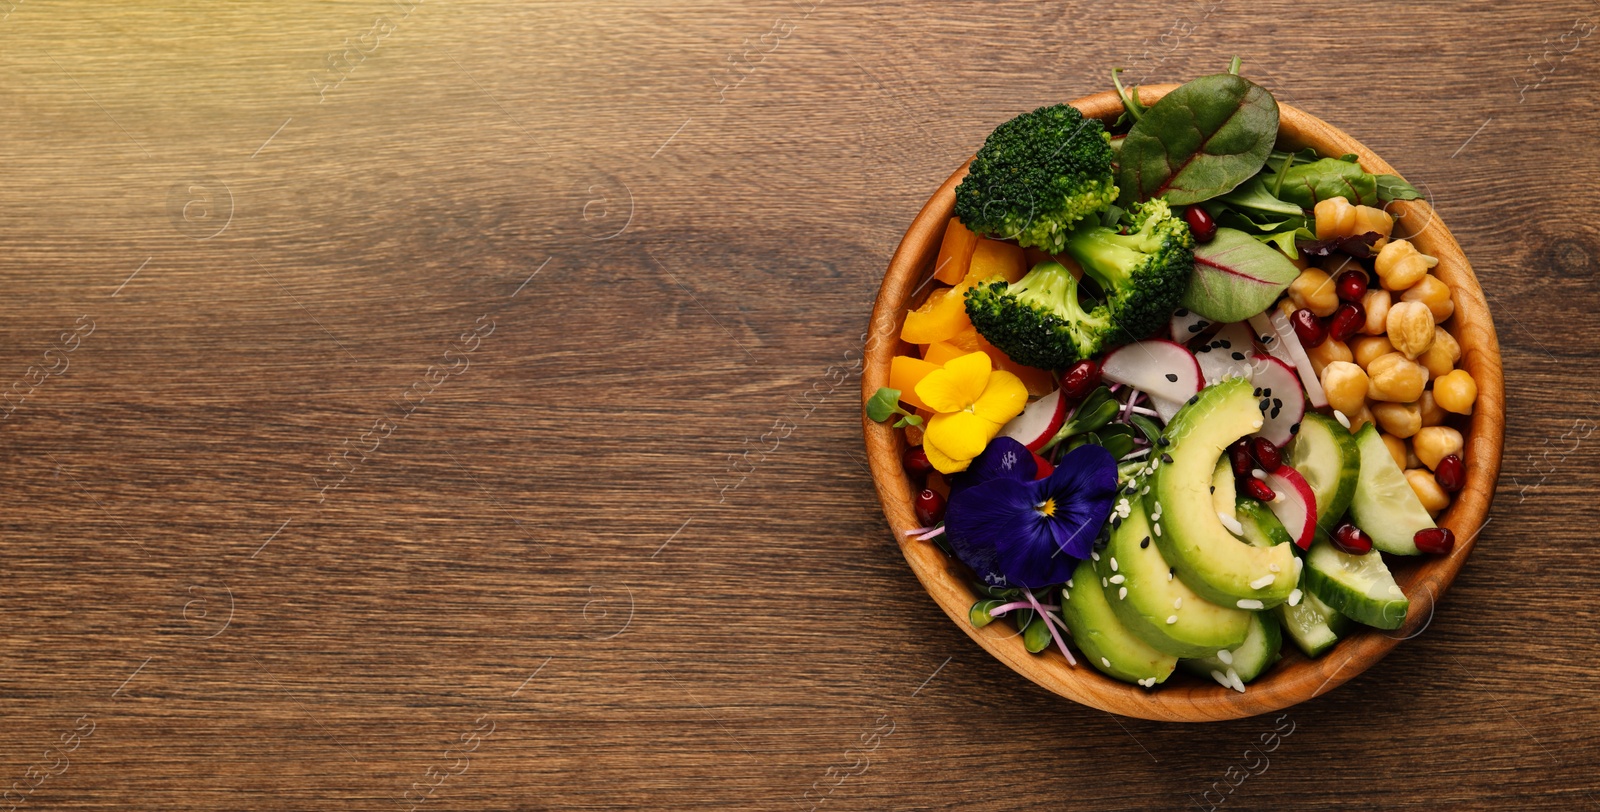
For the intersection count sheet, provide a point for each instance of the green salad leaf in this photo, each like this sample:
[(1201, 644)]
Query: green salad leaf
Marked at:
[(885, 403), (1201, 140)]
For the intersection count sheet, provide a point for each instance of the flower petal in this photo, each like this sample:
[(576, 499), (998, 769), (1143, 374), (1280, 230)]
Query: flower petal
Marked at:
[(1084, 488), (988, 518), (942, 462), (961, 435), (1004, 397), (958, 384), (1003, 458)]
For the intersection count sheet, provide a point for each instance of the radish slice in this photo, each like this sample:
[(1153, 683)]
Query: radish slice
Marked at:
[(1229, 354), (1301, 362), (1186, 325), (1039, 421), (1267, 336), (1165, 409), (1160, 368), (1295, 505), (1286, 403)]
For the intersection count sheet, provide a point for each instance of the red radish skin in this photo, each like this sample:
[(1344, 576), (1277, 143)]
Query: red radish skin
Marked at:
[(1295, 505), (1038, 422), (1158, 367)]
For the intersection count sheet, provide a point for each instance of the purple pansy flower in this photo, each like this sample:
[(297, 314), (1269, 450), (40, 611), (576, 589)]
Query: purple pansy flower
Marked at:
[(1014, 530)]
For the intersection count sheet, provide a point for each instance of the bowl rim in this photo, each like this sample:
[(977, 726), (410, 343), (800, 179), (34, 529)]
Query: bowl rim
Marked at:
[(1295, 678)]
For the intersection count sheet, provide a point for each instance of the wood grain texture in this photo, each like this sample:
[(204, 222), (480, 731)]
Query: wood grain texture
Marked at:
[(629, 552)]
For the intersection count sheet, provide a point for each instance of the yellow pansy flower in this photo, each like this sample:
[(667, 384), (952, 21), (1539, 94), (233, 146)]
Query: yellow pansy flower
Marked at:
[(972, 401)]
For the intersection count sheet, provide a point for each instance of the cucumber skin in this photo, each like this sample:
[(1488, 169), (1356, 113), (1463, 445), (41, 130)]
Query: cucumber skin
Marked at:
[(1334, 624), (1390, 533), (1273, 642), (1328, 516), (1258, 518), (1390, 614)]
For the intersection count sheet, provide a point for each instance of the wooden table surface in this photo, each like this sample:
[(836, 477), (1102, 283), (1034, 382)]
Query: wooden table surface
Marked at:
[(452, 405)]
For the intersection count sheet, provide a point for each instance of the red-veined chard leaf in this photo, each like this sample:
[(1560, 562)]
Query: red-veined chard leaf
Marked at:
[(1199, 141), (1235, 277)]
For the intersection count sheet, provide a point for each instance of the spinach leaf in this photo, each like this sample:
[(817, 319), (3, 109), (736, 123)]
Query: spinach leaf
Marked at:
[(1305, 184), (1201, 140), (1394, 187), (1252, 199)]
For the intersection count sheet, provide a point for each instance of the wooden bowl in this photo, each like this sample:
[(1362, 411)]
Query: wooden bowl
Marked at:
[(1295, 678)]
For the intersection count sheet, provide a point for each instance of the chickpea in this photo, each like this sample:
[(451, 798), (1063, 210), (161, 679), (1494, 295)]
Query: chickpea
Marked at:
[(1345, 385), (1411, 460), (1395, 378), (1434, 443), (1362, 417), (1397, 449), (1456, 392), (1366, 348), (1369, 219), (1410, 328), (1441, 355), (1313, 290), (1432, 415), (1399, 419), (1326, 353), (1433, 293), (1335, 218), (1376, 302), (1399, 266), (1427, 489), (1300, 261)]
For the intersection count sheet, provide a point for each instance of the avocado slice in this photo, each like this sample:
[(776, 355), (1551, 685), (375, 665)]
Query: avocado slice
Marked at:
[(1104, 641), (1158, 608), (1209, 558)]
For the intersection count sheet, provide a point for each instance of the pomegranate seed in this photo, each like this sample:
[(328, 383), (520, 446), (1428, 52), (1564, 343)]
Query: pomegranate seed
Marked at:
[(1266, 453), (1351, 286), (1239, 455), (930, 507), (1450, 472), (1308, 328), (1436, 540), (1347, 320), (917, 464), (1350, 539), (1259, 490), (1080, 380), (1042, 466), (1201, 223)]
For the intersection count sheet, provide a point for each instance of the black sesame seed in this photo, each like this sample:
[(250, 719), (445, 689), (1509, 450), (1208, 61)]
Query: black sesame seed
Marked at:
[(1193, 400), (1266, 339), (1206, 348), (1116, 522), (1257, 393), (1195, 328), (1276, 403), (1225, 344), (1294, 429), (1163, 442), (1166, 458), (1238, 356), (1182, 312), (1213, 489), (1172, 377), (1267, 392), (1275, 411), (1145, 543), (1172, 570), (1265, 404)]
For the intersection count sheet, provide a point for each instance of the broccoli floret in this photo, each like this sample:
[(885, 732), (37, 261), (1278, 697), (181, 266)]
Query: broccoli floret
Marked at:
[(1036, 176), (1039, 320), (1143, 273)]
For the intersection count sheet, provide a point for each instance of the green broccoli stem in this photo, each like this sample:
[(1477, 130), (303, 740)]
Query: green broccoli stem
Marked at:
[(1107, 256), (1050, 285)]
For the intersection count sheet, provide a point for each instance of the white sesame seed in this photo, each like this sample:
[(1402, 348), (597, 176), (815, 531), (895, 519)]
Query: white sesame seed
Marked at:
[(1169, 575), (1230, 523), (1258, 473), (1158, 531), (1069, 580), (1225, 656), (1177, 603), (1144, 490), (1103, 582), (1234, 682), (1113, 563), (1339, 416), (1105, 662), (1297, 565), (1294, 598), (1065, 595), (1171, 619), (1117, 579), (1122, 593), (1250, 603), (1094, 555), (1262, 582), (1218, 676), (1270, 568)]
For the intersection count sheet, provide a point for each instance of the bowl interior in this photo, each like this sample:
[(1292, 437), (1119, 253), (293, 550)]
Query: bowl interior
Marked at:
[(1295, 678)]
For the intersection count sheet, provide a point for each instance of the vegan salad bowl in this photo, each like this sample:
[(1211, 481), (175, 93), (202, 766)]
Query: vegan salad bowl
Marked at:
[(1181, 402)]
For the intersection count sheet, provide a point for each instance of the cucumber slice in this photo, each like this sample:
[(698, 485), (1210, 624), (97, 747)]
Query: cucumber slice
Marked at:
[(1313, 625), (1325, 454), (1259, 650), (1384, 505), (1261, 526), (1358, 586)]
